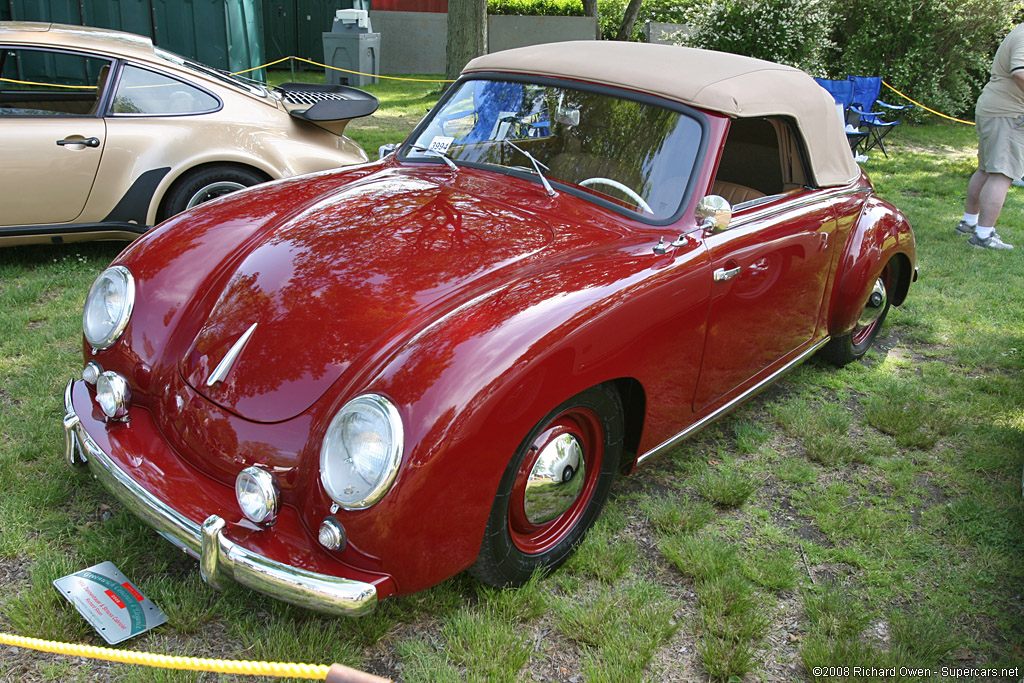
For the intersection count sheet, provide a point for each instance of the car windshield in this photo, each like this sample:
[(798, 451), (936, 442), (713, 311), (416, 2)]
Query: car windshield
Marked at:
[(634, 156), (247, 84)]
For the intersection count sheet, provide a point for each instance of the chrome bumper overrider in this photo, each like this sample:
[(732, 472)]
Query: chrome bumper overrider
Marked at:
[(220, 559)]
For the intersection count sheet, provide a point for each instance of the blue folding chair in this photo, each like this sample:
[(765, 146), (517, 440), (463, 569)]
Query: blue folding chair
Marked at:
[(878, 124), (843, 92)]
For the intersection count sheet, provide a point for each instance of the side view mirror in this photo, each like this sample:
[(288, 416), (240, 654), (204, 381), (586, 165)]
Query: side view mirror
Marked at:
[(714, 213), (567, 116)]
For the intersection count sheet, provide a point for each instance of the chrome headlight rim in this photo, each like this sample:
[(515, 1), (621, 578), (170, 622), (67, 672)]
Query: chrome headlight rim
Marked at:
[(113, 395), (127, 280), (393, 419), (269, 494)]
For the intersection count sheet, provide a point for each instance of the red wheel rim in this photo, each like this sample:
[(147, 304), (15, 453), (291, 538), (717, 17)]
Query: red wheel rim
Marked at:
[(584, 426), (863, 333)]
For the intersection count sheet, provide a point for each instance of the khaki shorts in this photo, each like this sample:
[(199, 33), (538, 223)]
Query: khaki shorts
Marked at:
[(1001, 145)]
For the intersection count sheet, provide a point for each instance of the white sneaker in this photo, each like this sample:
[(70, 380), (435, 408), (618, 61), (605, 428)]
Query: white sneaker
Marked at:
[(993, 241)]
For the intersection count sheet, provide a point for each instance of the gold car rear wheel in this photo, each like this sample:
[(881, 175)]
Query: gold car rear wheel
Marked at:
[(208, 183)]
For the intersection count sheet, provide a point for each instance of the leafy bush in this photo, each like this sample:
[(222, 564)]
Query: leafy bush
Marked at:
[(937, 51), (549, 8), (793, 32)]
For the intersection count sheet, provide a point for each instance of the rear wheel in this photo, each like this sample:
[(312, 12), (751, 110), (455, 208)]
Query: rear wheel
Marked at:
[(553, 488), (206, 184), (855, 343)]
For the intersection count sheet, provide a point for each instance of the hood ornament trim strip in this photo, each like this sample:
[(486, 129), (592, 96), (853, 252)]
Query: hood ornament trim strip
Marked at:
[(224, 367)]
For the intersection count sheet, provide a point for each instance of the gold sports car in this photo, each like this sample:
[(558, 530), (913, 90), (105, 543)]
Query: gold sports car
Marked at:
[(103, 135)]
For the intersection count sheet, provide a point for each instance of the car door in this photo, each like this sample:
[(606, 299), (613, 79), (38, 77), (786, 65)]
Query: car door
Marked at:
[(770, 267), (51, 133), (769, 270)]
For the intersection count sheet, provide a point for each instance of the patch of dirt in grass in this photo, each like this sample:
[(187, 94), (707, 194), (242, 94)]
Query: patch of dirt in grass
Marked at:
[(780, 655), (802, 526), (14, 576), (831, 572)]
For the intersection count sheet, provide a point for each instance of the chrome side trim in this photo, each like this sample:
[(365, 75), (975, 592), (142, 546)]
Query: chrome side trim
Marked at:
[(221, 559), (711, 417), (769, 212)]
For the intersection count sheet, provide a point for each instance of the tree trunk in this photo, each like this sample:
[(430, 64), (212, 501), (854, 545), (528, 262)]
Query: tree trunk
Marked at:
[(467, 34), (590, 10), (628, 19)]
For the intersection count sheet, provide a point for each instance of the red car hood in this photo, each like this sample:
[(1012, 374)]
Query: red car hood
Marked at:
[(329, 281)]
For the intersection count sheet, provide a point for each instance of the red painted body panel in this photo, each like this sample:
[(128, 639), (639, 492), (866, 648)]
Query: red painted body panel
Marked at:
[(475, 303), (881, 233)]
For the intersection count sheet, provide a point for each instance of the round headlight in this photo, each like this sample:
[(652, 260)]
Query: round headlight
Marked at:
[(108, 307), (361, 452), (256, 492), (113, 395)]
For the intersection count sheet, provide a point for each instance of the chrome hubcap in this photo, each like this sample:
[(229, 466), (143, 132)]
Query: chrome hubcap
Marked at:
[(875, 304), (556, 479), (212, 191)]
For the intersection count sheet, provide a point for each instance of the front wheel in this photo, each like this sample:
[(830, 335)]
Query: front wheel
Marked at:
[(206, 184), (553, 488), (855, 343)]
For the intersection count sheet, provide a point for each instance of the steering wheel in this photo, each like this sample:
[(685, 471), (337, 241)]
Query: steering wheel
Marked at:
[(637, 199)]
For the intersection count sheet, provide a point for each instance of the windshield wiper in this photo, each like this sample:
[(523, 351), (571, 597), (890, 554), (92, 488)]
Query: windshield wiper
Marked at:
[(443, 156), (536, 166)]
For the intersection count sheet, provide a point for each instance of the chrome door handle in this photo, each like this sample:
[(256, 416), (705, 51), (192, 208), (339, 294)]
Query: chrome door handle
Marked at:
[(721, 275), (88, 142)]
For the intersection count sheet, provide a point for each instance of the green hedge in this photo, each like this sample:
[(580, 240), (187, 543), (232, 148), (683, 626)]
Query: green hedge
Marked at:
[(549, 8)]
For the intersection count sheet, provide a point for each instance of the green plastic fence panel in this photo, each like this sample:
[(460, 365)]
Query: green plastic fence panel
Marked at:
[(296, 27), (226, 34), (133, 16), (57, 11)]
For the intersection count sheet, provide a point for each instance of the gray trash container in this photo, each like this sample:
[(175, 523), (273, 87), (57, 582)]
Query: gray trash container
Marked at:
[(351, 45)]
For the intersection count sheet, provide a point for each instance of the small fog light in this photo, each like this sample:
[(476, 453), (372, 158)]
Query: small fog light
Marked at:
[(256, 492), (113, 395), (91, 372), (332, 534)]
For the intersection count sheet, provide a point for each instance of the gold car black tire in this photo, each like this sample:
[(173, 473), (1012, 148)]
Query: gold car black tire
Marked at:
[(207, 178)]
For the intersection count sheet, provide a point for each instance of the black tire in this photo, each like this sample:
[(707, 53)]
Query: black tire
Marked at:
[(205, 184), (519, 538), (852, 346)]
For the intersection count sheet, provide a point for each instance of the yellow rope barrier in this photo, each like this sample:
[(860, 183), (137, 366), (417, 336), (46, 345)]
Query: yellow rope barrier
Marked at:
[(49, 85), (278, 669), (348, 71), (969, 123)]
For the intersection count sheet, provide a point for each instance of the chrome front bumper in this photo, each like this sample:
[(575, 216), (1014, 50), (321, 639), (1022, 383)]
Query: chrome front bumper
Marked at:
[(221, 560)]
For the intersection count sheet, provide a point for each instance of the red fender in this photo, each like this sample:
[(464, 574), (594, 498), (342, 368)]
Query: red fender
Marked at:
[(881, 234)]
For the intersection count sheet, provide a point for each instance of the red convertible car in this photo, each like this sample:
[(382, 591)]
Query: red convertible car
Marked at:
[(355, 384)]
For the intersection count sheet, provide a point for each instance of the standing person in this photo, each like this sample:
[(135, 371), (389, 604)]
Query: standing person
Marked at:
[(999, 116)]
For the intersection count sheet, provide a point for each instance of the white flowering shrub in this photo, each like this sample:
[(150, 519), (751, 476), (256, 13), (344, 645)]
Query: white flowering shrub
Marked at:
[(794, 32)]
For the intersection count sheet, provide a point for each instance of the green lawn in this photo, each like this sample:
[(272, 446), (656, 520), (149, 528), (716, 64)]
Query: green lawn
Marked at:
[(864, 517)]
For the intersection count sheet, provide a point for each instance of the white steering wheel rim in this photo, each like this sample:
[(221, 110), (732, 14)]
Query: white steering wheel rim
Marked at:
[(621, 188)]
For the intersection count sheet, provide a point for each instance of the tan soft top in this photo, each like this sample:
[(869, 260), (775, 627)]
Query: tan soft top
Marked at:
[(730, 84)]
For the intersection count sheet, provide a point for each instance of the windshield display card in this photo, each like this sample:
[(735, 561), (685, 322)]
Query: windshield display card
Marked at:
[(109, 601), (441, 144)]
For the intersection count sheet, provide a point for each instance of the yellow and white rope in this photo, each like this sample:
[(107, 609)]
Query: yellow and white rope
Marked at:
[(932, 111), (281, 670)]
